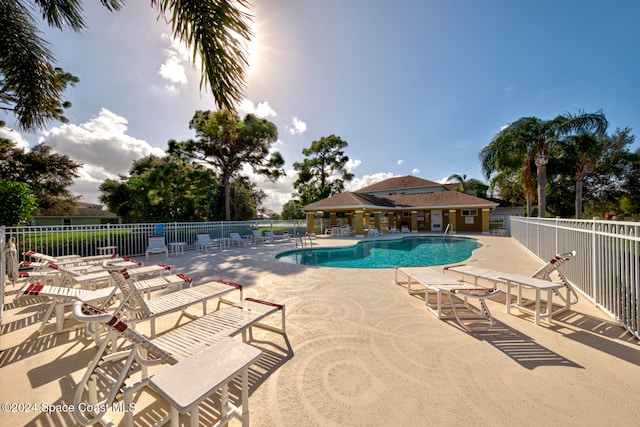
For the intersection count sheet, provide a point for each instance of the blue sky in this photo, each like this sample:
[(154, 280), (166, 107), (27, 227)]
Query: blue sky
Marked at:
[(414, 87)]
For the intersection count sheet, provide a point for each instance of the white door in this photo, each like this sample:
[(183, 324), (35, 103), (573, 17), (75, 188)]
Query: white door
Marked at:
[(436, 220)]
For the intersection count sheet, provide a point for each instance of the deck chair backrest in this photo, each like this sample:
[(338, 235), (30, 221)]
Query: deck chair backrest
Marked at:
[(86, 390), (545, 271), (256, 234), (132, 300), (235, 236), (204, 239), (39, 256), (156, 242)]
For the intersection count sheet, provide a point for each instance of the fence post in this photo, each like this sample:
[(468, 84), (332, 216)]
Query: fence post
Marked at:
[(556, 229), (3, 269), (594, 258), (175, 232)]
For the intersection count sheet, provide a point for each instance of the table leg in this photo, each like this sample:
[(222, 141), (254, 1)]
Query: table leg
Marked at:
[(537, 314), (549, 306), (195, 417), (245, 397), (224, 400), (508, 305)]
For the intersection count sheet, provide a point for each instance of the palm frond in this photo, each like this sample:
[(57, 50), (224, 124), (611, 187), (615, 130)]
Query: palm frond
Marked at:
[(218, 32)]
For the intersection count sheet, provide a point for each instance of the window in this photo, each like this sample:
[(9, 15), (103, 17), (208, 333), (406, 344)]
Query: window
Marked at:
[(406, 214), (469, 212)]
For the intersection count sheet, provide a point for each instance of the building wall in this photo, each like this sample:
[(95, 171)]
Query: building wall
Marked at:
[(57, 220), (468, 223)]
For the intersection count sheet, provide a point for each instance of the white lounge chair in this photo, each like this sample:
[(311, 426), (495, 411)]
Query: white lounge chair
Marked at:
[(134, 308), (173, 347), (544, 273), (236, 239), (457, 293), (157, 245), (258, 238), (405, 229), (102, 277), (273, 237), (203, 241), (63, 296)]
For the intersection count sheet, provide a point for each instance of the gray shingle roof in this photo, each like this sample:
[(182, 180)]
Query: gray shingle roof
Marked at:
[(440, 199)]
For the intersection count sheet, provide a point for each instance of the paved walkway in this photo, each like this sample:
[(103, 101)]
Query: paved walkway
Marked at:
[(360, 351)]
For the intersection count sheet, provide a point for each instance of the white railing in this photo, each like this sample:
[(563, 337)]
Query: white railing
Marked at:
[(304, 240), (607, 267), (132, 239)]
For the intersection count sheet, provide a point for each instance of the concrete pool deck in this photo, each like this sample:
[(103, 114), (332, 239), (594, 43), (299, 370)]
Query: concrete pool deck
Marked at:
[(359, 351)]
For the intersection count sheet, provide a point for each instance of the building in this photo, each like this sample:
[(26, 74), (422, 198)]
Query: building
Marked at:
[(405, 203), (86, 214)]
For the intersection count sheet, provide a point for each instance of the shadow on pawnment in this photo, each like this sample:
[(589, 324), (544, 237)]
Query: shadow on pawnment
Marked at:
[(602, 335), (36, 343), (522, 348)]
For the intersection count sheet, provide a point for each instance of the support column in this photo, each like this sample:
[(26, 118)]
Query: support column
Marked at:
[(332, 219), (414, 221), (376, 220), (392, 219), (452, 220), (311, 222), (359, 223), (485, 221)]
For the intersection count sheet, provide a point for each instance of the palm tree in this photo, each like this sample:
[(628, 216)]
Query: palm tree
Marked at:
[(582, 153), (471, 185), (529, 141), (32, 88)]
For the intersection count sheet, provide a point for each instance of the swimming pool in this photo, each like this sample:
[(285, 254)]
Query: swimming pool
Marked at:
[(405, 252)]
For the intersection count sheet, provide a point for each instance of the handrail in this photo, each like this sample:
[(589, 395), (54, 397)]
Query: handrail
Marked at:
[(301, 240), (445, 231)]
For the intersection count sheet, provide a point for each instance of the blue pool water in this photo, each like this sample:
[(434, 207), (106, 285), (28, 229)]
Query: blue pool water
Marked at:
[(404, 252)]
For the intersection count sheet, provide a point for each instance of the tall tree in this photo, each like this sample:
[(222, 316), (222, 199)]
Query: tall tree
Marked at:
[(536, 138), (160, 189), (226, 143), (17, 205), (323, 172), (582, 153), (32, 88), (48, 174), (506, 160), (292, 210), (470, 186)]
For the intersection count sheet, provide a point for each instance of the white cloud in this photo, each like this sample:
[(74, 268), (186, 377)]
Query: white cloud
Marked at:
[(415, 171), (262, 110), (352, 164), (15, 137), (299, 127), (399, 162), (173, 68), (366, 180), (102, 146)]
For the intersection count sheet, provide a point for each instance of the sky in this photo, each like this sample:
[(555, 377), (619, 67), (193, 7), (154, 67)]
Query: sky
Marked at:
[(414, 87)]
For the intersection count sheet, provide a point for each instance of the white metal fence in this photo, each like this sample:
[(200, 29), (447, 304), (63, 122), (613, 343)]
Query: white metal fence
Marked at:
[(132, 239), (607, 267)]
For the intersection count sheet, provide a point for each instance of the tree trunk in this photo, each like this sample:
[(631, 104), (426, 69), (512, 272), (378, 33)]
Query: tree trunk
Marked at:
[(541, 161), (227, 197), (579, 184)]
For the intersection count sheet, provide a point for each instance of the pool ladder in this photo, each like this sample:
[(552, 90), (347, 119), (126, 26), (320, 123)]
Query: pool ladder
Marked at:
[(445, 231), (303, 240)]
